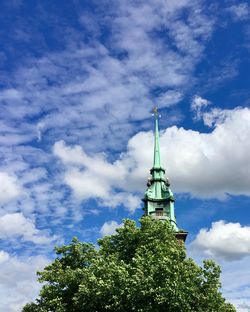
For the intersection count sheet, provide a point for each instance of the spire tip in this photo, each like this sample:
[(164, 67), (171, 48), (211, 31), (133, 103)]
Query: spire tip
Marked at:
[(155, 112)]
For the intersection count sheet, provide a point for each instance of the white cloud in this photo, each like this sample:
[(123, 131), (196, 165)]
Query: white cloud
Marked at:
[(228, 244), (109, 227), (169, 98), (229, 241), (91, 88), (29, 168), (96, 91), (18, 284), (217, 116), (86, 185), (198, 104), (4, 256), (11, 94), (94, 177), (9, 188), (203, 164), (239, 11), (128, 200), (16, 225)]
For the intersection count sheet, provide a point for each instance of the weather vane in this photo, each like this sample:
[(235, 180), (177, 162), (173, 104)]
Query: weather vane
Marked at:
[(156, 113)]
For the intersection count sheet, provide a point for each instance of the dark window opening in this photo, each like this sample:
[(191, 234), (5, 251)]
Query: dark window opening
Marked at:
[(159, 212)]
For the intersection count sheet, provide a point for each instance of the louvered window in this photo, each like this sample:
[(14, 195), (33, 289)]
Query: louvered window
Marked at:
[(159, 212)]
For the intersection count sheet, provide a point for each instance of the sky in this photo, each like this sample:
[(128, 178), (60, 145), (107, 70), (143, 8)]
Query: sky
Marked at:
[(78, 80)]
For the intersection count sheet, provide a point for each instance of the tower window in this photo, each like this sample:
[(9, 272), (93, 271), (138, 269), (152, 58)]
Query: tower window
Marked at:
[(159, 212)]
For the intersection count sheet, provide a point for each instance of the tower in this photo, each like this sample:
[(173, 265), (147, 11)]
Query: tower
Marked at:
[(159, 199)]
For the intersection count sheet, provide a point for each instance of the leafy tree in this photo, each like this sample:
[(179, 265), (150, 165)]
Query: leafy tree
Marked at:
[(136, 269)]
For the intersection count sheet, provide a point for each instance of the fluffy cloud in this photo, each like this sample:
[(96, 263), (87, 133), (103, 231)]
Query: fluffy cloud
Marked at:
[(228, 244), (210, 164), (18, 283), (203, 164), (94, 177), (9, 188), (109, 227), (239, 11), (217, 116), (229, 241), (91, 92), (16, 225), (197, 106), (107, 84)]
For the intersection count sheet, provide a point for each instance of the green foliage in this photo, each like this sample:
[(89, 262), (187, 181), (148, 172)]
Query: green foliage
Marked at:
[(137, 269)]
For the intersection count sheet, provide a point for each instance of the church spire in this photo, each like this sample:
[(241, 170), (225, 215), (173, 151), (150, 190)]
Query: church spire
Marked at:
[(159, 199), (157, 156)]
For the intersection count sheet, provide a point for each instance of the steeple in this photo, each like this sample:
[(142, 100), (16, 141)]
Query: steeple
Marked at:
[(159, 199), (157, 156)]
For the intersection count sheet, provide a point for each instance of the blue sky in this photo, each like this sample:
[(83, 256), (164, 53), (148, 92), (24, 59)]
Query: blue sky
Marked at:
[(78, 80)]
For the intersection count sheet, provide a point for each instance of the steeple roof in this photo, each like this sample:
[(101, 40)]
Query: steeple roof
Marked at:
[(159, 199), (157, 156)]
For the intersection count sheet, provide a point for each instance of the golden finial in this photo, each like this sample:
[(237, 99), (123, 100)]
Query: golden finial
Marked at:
[(155, 112)]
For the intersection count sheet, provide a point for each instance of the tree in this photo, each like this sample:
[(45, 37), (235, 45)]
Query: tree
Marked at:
[(136, 269)]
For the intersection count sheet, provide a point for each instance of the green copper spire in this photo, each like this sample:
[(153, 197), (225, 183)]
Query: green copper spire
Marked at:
[(159, 199), (157, 156)]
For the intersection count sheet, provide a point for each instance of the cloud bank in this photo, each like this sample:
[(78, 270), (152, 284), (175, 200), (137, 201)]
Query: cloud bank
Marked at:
[(205, 165), (228, 241), (16, 225), (18, 284), (9, 188), (109, 227)]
